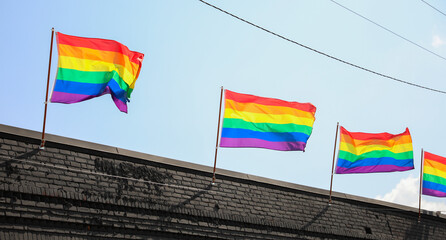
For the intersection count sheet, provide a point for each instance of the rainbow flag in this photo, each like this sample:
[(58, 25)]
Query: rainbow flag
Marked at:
[(434, 175), (91, 67), (374, 152), (258, 122)]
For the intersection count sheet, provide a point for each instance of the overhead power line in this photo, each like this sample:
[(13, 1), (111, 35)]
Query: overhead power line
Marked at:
[(390, 31), (434, 8), (322, 53)]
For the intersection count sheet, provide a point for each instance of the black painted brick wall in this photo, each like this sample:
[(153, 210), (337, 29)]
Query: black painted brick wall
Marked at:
[(72, 192)]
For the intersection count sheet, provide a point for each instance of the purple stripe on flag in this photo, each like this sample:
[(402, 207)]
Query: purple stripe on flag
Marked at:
[(63, 97), (371, 169), (258, 143), (432, 192), (122, 106)]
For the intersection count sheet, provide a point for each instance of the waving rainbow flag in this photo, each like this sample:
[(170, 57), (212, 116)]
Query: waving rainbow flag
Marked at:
[(434, 175), (374, 152), (91, 67), (258, 122)]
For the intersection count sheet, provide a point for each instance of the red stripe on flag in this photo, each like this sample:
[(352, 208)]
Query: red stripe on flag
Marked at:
[(247, 98), (435, 158), (373, 136), (99, 44)]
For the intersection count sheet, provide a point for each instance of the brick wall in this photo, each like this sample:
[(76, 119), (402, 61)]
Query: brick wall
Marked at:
[(80, 190)]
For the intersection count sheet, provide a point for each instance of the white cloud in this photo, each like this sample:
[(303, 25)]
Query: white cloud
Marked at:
[(437, 41), (406, 193)]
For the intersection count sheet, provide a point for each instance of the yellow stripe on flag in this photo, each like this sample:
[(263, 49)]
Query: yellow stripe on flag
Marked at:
[(434, 171), (268, 118), (96, 66), (358, 150)]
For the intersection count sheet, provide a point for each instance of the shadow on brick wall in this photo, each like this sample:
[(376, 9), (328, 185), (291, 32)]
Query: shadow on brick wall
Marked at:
[(187, 201), (28, 154), (315, 218)]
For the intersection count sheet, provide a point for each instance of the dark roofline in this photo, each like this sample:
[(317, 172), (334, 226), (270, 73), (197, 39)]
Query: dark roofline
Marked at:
[(33, 136)]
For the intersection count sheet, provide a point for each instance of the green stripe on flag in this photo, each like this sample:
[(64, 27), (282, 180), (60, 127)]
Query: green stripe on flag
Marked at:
[(434, 179), (375, 154), (266, 127), (72, 75)]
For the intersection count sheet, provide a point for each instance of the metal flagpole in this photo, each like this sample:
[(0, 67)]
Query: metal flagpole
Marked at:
[(42, 144), (334, 157), (218, 135), (421, 182)]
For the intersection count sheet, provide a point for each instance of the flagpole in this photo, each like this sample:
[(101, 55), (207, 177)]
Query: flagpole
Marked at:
[(42, 144), (421, 182), (334, 157), (218, 135)]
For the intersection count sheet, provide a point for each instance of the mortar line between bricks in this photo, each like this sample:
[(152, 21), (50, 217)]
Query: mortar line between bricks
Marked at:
[(249, 220), (160, 184), (112, 176)]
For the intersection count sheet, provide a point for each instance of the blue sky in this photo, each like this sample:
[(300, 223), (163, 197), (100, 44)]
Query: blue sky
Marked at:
[(191, 50)]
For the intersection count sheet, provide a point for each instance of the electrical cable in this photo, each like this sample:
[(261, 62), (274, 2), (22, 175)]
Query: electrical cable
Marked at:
[(388, 30), (434, 7), (322, 53)]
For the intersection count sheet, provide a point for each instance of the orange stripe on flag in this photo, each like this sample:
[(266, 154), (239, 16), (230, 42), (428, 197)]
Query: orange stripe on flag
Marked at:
[(265, 109)]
